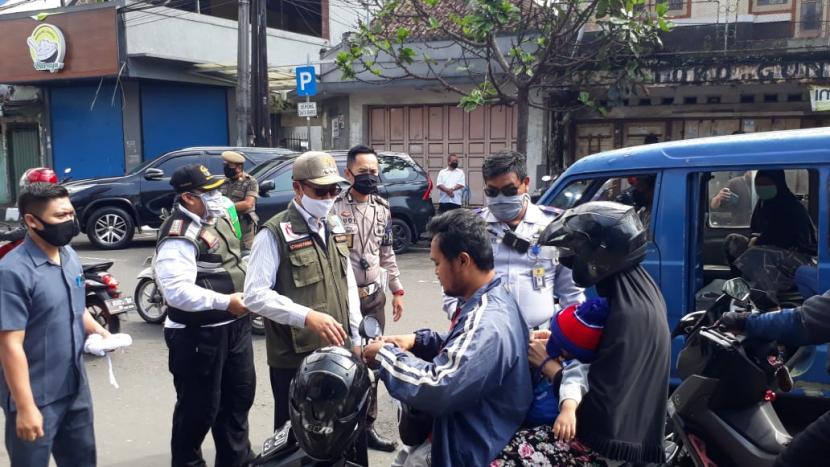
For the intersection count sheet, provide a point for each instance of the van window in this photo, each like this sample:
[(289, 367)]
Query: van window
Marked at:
[(732, 197), (634, 190)]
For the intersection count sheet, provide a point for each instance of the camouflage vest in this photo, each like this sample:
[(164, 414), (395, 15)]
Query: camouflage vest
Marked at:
[(219, 263), (310, 274)]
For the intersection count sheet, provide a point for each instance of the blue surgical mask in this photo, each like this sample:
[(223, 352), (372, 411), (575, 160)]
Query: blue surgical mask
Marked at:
[(766, 192), (213, 204), (506, 208)]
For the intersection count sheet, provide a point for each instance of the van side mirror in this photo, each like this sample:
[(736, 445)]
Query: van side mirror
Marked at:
[(265, 187), (153, 174)]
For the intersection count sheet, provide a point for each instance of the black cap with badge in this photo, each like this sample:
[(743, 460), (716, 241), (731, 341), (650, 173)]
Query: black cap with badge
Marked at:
[(194, 177)]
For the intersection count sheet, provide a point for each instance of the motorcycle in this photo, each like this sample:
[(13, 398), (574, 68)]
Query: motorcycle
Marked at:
[(150, 304), (722, 414), (281, 449), (104, 299)]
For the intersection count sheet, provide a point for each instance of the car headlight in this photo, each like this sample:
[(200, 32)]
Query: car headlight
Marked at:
[(72, 189)]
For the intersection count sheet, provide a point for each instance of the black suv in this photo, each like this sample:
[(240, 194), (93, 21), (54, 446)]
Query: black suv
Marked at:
[(110, 209), (403, 182)]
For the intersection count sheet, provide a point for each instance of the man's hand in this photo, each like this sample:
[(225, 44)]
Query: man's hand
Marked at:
[(544, 335), (404, 342), (536, 352), (326, 327), (733, 321), (236, 306), (29, 424), (370, 351), (397, 307), (564, 428)]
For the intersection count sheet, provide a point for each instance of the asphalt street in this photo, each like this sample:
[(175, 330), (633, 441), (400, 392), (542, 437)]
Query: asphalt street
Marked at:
[(132, 422)]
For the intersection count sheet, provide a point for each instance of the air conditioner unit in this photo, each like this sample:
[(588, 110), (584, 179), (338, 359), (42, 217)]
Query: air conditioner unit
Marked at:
[(11, 94)]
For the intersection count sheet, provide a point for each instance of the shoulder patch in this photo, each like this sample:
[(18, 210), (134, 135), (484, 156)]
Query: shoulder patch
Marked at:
[(176, 228), (336, 225), (300, 244), (209, 238), (341, 238), (288, 233), (381, 200)]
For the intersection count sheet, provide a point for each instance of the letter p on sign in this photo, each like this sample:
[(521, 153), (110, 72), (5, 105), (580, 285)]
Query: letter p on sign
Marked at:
[(306, 81)]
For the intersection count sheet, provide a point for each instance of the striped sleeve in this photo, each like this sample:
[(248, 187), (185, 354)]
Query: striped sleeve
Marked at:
[(455, 379)]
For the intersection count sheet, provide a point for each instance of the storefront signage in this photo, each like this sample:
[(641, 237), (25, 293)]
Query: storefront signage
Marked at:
[(47, 47), (820, 98), (726, 72)]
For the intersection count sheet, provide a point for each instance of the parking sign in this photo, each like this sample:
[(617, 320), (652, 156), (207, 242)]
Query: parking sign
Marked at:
[(306, 81)]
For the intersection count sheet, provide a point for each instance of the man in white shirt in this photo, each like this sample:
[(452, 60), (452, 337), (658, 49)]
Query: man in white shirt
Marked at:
[(200, 272), (451, 183), (301, 279), (530, 272)]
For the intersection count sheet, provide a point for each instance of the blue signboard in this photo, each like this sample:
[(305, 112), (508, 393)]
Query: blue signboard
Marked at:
[(306, 81)]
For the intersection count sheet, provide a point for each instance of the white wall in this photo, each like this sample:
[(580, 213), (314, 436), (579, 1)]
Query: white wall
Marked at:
[(343, 17), (190, 37)]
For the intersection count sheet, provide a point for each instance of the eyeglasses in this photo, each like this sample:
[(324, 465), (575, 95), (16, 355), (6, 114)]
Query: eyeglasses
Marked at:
[(509, 190), (323, 191)]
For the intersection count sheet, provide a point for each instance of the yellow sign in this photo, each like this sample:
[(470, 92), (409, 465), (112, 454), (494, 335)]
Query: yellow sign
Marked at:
[(47, 48), (820, 98)]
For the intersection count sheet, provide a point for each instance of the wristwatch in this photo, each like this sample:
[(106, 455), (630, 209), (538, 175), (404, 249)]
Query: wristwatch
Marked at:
[(398, 293)]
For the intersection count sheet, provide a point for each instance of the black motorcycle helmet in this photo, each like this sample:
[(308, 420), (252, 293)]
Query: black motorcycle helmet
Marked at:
[(329, 401), (596, 240)]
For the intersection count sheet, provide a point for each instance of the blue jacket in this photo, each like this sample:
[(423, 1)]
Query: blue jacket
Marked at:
[(475, 380)]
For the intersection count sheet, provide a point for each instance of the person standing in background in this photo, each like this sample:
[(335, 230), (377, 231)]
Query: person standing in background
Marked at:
[(243, 190), (451, 183)]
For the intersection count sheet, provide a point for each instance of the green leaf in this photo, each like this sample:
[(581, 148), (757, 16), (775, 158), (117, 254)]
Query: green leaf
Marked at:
[(662, 8), (433, 23), (407, 55), (401, 35), (584, 97), (431, 3)]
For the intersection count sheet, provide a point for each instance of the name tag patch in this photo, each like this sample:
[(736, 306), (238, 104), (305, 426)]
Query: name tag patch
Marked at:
[(300, 244), (341, 238), (176, 228), (209, 238)]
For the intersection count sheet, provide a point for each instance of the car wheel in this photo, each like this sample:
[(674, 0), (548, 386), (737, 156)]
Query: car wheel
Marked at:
[(401, 236), (110, 228)]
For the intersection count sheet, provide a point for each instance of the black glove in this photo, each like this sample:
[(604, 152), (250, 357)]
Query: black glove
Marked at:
[(733, 321)]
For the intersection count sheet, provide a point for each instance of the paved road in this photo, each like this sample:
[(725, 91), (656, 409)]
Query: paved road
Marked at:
[(132, 423)]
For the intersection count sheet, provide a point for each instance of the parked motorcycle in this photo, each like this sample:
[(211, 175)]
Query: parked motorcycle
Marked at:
[(722, 413), (104, 299), (150, 304), (281, 448)]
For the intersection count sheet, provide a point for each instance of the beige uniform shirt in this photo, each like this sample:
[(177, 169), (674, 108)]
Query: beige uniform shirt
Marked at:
[(370, 238), (239, 189)]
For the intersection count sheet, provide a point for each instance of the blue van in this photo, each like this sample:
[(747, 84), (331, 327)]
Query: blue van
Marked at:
[(688, 226)]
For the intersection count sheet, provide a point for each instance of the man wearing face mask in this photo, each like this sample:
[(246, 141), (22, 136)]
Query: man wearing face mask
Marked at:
[(300, 277), (243, 190), (367, 220), (450, 182), (531, 273), (200, 272), (44, 389)]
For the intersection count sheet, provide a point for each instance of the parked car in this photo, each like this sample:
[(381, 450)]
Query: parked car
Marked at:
[(110, 209), (685, 250), (403, 182)]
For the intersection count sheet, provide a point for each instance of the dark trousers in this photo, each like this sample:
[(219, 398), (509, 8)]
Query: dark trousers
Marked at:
[(213, 372), (374, 305), (280, 383), (809, 447), (444, 207), (68, 434)]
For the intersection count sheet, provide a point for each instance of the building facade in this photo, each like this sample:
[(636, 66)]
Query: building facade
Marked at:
[(102, 88)]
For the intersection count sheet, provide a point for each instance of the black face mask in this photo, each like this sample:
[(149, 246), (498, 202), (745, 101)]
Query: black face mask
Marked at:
[(366, 184), (454, 165), (230, 172), (59, 234)]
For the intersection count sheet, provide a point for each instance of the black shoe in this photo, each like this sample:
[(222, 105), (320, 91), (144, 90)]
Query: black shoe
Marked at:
[(379, 443)]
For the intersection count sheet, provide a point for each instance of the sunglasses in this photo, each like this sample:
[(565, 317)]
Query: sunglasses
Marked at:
[(323, 191), (509, 190)]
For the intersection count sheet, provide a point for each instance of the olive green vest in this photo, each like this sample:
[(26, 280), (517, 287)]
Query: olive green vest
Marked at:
[(310, 275), (219, 263)]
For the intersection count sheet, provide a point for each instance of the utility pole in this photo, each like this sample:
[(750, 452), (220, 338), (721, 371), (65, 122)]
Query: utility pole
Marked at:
[(243, 74), (261, 121)]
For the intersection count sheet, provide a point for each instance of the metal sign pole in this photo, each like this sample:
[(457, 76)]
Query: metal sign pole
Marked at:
[(308, 125)]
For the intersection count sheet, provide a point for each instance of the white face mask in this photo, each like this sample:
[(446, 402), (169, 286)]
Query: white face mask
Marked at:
[(318, 208), (213, 204), (506, 208)]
